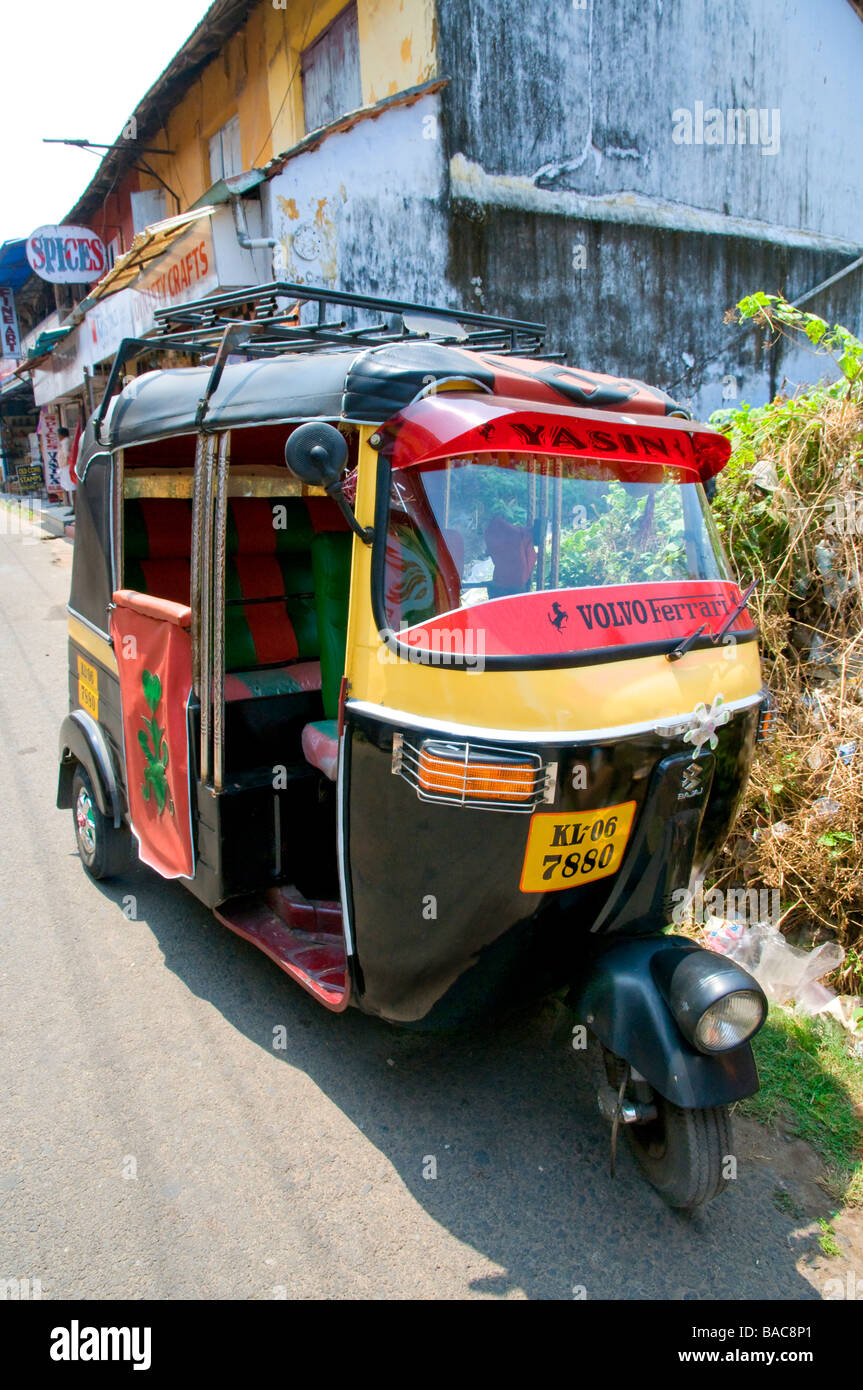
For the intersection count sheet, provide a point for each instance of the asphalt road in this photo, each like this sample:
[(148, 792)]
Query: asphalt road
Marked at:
[(156, 1145)]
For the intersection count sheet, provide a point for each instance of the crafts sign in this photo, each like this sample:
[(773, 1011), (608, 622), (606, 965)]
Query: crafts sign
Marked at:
[(66, 255)]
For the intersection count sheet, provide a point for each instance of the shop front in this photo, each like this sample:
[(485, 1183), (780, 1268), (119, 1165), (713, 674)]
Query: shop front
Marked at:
[(170, 263)]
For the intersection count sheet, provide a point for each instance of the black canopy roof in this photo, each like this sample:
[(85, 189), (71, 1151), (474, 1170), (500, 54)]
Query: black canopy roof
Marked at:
[(366, 387)]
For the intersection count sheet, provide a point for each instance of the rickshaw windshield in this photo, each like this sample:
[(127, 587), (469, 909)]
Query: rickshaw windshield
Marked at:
[(551, 553)]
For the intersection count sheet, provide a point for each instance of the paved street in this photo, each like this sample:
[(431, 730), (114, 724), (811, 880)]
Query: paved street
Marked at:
[(155, 1144)]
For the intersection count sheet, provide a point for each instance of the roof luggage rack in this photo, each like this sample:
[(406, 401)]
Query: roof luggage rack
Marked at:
[(278, 328), (265, 321)]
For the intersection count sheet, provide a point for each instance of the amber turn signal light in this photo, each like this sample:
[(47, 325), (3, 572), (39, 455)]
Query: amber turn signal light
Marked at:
[(474, 779)]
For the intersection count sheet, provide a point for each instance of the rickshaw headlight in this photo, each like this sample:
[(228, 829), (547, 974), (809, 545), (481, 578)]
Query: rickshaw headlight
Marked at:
[(729, 1022), (717, 1004)]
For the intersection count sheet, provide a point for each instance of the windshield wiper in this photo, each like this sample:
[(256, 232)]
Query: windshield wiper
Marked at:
[(732, 617), (683, 647)]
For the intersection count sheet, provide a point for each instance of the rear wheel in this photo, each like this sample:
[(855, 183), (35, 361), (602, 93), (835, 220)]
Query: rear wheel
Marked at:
[(106, 851), (683, 1153)]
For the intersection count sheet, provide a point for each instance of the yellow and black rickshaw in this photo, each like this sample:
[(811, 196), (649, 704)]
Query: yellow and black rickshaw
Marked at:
[(415, 655)]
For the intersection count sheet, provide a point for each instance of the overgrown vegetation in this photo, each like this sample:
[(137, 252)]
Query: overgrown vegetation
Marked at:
[(790, 507)]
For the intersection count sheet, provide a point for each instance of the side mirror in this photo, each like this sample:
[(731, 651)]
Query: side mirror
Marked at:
[(316, 453)]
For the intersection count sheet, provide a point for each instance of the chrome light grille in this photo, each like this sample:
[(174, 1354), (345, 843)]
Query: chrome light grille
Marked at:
[(474, 774)]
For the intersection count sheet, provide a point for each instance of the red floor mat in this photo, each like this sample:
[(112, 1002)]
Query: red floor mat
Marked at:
[(305, 938)]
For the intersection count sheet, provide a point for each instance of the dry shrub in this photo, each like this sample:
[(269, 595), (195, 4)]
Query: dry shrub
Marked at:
[(801, 823)]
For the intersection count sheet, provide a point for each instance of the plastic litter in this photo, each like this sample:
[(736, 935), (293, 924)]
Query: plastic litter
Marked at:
[(764, 475), (723, 934), (785, 972), (825, 806), (847, 1009), (847, 750), (834, 585)]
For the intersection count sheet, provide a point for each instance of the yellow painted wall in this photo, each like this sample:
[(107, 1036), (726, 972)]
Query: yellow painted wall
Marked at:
[(257, 77), (398, 45)]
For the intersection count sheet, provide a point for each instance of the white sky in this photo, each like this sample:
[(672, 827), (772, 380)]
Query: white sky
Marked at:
[(74, 68)]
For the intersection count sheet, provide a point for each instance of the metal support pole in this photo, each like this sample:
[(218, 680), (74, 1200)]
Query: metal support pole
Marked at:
[(203, 443), (119, 528), (558, 517), (219, 527), (206, 590)]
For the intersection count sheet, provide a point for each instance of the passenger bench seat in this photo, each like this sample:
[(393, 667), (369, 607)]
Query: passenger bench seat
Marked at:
[(331, 566)]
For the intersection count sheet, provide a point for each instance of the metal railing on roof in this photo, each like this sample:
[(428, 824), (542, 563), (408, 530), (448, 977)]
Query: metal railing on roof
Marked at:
[(275, 309), (266, 320)]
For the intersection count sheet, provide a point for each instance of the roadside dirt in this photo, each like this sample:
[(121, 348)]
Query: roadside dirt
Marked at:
[(796, 1172)]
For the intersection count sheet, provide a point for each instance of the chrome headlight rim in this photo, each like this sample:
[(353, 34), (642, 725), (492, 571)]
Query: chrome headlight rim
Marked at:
[(733, 994), (699, 981)]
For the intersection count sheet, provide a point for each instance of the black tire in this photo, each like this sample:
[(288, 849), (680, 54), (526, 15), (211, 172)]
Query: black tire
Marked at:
[(683, 1153), (105, 851)]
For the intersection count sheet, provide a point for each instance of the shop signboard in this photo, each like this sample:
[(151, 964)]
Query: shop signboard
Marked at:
[(66, 255), (186, 271), (204, 258), (10, 338), (49, 440), (63, 371), (30, 477)]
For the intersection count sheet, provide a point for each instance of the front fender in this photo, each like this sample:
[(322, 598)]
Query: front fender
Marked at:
[(619, 1000), (82, 741)]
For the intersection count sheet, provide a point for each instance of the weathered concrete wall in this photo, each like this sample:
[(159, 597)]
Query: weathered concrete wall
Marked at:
[(366, 210), (647, 303), (560, 123), (583, 98), (545, 183)]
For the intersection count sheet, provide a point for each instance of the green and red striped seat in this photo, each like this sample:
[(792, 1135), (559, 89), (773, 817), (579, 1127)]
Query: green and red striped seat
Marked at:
[(286, 586)]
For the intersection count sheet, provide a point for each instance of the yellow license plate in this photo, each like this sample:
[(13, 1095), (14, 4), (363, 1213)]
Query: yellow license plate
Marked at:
[(88, 687), (564, 851)]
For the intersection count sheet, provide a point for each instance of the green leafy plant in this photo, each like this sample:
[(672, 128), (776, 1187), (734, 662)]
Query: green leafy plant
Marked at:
[(154, 746), (775, 313)]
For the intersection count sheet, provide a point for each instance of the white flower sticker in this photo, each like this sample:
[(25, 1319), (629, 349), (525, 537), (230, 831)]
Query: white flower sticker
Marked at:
[(704, 723)]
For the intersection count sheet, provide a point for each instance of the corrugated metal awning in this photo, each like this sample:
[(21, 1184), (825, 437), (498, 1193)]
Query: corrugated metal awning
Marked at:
[(147, 245)]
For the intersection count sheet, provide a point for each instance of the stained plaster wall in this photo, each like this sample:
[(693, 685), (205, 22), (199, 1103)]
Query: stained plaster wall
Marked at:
[(557, 106)]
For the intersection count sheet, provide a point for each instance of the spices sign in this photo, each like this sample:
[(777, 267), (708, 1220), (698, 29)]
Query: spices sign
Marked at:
[(66, 255)]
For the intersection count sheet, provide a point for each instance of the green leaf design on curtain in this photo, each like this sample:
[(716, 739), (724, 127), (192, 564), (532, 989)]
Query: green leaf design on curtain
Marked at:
[(154, 746)]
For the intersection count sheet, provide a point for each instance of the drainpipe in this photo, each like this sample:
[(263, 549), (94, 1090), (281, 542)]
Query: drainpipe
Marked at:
[(248, 243)]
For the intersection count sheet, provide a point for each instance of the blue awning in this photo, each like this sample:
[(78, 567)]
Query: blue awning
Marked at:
[(14, 266)]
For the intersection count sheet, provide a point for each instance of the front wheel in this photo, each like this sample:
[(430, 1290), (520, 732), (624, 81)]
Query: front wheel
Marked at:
[(684, 1153), (105, 850), (687, 1155)]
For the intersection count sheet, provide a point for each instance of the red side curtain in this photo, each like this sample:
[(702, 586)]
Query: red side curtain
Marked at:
[(154, 660)]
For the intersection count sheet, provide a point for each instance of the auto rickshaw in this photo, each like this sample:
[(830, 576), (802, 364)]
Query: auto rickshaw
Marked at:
[(415, 655)]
